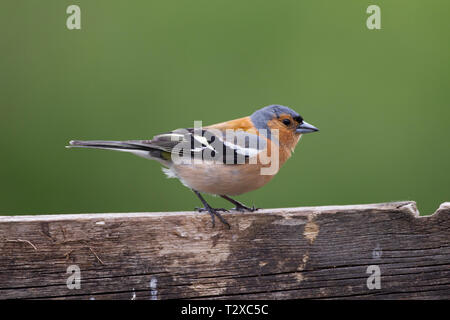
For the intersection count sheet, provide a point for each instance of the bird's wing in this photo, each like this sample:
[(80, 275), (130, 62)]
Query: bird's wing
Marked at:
[(229, 146)]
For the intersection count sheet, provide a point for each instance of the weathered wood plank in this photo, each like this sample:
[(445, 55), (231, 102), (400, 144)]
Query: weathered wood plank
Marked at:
[(310, 252)]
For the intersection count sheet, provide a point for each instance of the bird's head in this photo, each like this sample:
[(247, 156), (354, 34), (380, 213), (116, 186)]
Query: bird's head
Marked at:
[(285, 120)]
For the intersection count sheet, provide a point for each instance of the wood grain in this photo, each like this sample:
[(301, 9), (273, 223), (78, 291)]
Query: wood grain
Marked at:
[(310, 252)]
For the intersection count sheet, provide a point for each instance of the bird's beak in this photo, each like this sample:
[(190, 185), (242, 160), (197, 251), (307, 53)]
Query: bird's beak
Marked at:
[(305, 127)]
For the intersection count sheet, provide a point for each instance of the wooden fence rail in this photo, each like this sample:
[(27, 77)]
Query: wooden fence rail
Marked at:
[(374, 251)]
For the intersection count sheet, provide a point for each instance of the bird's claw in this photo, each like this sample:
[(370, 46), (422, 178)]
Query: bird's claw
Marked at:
[(213, 212), (243, 208), (207, 210)]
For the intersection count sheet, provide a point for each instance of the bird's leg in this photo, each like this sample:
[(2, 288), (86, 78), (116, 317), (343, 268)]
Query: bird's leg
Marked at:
[(212, 211), (239, 206)]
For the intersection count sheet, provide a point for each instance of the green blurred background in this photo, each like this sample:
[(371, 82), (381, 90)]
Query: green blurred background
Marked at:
[(137, 68)]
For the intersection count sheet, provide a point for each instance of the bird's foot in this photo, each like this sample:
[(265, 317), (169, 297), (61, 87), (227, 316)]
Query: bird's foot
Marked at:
[(207, 210), (243, 208), (213, 212)]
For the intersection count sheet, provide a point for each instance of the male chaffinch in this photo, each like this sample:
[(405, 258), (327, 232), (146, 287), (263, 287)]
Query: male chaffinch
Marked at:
[(225, 159)]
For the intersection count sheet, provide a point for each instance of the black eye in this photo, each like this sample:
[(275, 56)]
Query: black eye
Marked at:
[(287, 121)]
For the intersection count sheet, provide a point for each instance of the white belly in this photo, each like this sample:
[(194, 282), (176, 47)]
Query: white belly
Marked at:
[(220, 179)]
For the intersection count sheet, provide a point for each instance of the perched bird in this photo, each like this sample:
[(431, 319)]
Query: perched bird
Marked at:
[(225, 159)]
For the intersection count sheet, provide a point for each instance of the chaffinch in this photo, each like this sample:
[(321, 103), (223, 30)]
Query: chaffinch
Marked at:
[(225, 159)]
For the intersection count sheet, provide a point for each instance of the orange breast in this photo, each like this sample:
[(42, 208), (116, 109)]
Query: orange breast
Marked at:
[(286, 143)]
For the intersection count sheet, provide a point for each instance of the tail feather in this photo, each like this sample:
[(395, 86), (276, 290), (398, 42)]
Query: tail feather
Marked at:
[(105, 144), (142, 148)]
